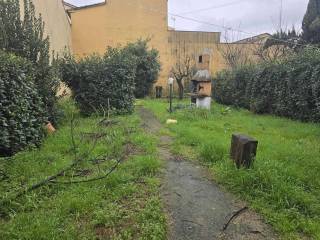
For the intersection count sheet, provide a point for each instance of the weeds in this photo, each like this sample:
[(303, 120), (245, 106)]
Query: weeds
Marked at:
[(283, 184), (113, 207)]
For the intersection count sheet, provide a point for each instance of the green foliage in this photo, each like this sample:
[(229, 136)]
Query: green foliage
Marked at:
[(148, 66), (98, 81), (311, 23), (126, 205), (21, 108), (230, 86), (288, 88), (282, 185), (288, 39), (23, 35)]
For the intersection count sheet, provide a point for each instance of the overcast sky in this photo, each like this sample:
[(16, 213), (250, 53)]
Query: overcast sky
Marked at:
[(249, 16)]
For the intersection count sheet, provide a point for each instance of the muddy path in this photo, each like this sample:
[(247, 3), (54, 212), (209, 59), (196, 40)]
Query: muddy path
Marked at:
[(197, 208)]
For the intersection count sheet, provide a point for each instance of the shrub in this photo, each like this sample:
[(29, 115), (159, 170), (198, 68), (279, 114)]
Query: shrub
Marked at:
[(23, 35), (98, 81), (230, 87), (148, 66), (290, 88), (21, 108)]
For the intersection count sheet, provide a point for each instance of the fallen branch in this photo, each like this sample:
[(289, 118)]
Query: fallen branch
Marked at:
[(107, 122), (93, 135), (45, 181), (79, 173), (76, 161), (92, 179), (234, 215)]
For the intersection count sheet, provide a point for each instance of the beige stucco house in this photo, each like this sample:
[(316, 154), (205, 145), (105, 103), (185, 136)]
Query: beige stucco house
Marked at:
[(90, 29), (57, 23), (117, 22)]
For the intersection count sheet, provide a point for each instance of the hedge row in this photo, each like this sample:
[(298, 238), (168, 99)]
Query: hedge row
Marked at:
[(290, 88), (99, 82), (21, 108)]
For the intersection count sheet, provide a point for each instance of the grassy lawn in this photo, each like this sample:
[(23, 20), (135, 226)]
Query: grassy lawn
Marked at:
[(124, 205), (284, 185)]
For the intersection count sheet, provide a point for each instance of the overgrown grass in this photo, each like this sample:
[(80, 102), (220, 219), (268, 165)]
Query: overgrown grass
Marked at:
[(283, 185), (126, 205)]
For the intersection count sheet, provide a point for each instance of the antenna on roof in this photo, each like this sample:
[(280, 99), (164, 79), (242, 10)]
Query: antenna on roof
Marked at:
[(174, 21)]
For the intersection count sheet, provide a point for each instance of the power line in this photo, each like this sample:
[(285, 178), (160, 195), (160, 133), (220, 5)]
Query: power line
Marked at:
[(280, 20), (212, 7), (212, 24), (233, 29), (192, 19)]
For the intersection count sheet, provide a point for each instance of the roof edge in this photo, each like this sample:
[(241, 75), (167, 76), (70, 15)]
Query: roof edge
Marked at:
[(69, 4), (251, 38), (190, 31), (88, 6)]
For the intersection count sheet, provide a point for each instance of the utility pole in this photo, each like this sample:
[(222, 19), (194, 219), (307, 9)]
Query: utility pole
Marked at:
[(174, 22), (281, 17)]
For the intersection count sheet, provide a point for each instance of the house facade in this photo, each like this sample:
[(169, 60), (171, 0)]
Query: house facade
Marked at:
[(57, 23), (117, 22), (91, 29)]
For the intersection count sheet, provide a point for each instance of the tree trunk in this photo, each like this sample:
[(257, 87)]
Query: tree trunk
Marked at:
[(181, 90)]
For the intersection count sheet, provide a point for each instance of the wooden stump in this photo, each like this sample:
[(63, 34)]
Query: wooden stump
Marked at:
[(243, 150)]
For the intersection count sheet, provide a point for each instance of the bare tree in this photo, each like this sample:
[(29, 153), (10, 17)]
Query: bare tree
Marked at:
[(282, 43), (234, 54), (270, 53), (182, 71), (278, 46)]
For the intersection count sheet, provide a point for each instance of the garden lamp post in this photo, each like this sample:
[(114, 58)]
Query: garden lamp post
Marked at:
[(170, 82)]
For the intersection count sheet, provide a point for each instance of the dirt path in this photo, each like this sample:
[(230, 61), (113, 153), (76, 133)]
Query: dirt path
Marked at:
[(197, 208)]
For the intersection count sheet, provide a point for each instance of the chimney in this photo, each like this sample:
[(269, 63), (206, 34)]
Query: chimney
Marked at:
[(204, 62)]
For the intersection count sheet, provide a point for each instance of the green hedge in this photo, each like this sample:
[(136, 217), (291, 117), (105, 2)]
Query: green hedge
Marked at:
[(290, 88), (147, 68), (96, 79), (21, 107)]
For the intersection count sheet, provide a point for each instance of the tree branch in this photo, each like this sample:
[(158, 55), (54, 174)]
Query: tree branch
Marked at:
[(93, 179)]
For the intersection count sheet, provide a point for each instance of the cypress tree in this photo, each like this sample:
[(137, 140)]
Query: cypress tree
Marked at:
[(23, 35), (311, 23)]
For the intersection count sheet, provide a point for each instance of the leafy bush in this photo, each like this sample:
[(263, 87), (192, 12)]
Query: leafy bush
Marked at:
[(230, 87), (99, 82), (148, 66), (21, 108), (290, 88), (23, 35)]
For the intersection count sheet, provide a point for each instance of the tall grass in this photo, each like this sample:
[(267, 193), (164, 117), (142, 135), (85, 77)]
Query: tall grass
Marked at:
[(283, 185), (126, 205)]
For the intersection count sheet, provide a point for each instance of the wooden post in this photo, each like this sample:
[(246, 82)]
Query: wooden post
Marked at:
[(243, 150), (171, 93)]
